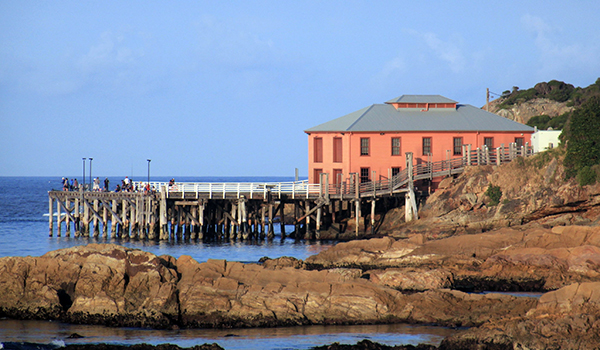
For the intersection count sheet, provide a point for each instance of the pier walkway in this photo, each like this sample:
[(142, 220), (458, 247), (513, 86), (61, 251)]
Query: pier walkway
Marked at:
[(248, 210)]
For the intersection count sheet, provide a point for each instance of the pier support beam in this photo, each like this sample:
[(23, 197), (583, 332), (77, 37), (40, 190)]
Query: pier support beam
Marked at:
[(50, 214), (164, 223), (373, 204)]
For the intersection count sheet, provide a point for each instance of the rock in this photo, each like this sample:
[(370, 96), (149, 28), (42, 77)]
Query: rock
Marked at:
[(415, 280), (90, 284), (568, 318)]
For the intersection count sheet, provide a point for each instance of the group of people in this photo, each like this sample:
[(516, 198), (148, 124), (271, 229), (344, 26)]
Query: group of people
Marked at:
[(72, 185), (125, 186)]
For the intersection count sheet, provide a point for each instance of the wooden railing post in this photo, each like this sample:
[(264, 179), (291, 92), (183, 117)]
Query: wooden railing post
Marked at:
[(498, 156), (469, 154)]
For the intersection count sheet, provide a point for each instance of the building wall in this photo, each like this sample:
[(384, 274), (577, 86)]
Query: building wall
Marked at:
[(542, 140), (380, 158)]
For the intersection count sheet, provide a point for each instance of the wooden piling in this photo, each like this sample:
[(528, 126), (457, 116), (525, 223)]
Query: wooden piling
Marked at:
[(50, 215), (96, 226)]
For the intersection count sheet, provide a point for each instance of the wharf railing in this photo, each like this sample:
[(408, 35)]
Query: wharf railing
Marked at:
[(224, 190), (351, 186)]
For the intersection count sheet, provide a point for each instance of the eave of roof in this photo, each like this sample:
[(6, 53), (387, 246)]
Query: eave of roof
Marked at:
[(384, 117), (421, 99)]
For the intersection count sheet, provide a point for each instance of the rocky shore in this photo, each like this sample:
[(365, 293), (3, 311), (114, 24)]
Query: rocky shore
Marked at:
[(360, 282), (542, 236)]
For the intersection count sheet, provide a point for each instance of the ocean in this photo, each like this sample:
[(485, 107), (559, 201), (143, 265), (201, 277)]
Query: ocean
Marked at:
[(24, 232)]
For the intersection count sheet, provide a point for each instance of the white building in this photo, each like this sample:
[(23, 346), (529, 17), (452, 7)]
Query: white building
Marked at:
[(542, 140)]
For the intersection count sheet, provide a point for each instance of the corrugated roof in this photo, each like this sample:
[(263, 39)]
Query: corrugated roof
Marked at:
[(421, 99), (384, 117)]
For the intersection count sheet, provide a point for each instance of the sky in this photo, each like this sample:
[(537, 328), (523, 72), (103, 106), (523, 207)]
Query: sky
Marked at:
[(227, 88)]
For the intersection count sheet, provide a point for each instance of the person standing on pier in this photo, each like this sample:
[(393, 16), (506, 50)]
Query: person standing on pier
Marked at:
[(106, 184)]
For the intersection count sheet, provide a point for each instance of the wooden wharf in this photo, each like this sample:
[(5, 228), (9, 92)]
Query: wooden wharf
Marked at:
[(242, 211)]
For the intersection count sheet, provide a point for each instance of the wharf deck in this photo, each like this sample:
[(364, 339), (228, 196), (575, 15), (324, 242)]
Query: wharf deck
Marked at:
[(210, 208)]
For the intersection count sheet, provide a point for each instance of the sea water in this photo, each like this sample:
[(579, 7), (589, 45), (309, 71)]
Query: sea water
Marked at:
[(24, 232)]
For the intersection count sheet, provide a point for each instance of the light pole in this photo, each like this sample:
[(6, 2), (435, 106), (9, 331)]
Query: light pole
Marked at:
[(91, 173), (149, 160), (84, 159)]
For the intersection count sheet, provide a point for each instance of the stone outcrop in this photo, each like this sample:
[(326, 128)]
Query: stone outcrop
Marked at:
[(117, 286), (568, 318), (523, 111), (505, 259), (91, 284), (534, 193)]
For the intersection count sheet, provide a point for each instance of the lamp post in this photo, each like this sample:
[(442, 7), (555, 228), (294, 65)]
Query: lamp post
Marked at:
[(149, 160), (84, 159), (91, 173)]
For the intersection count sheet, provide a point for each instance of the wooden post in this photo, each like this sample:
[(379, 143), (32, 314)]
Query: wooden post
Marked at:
[(318, 223), (468, 154), (77, 219), (86, 219), (113, 226), (179, 223), (96, 221), (263, 211), (498, 155), (270, 233), (58, 218), (373, 203), (296, 223), (244, 213), (124, 232), (201, 205), (357, 214), (307, 222), (194, 228), (67, 220), (50, 215), (282, 219), (164, 223), (148, 217), (138, 217), (104, 220), (234, 211)]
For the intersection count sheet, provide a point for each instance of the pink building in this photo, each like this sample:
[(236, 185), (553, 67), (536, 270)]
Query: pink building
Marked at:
[(373, 141)]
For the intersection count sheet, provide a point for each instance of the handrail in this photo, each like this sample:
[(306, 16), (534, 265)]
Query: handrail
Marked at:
[(346, 188)]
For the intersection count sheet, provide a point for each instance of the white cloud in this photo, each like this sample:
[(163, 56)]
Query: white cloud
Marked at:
[(390, 71), (234, 45), (554, 57), (109, 51), (448, 51)]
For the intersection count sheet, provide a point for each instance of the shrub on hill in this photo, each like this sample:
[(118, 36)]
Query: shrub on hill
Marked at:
[(553, 90), (582, 139), (543, 122)]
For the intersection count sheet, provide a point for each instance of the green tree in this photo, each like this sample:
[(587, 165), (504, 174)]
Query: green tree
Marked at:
[(583, 137)]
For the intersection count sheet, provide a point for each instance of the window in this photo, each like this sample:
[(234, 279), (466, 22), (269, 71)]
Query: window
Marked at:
[(337, 149), (317, 174), (395, 146), (364, 175), (364, 146), (488, 142), (318, 143), (519, 141), (395, 171), (426, 145), (337, 176), (457, 142)]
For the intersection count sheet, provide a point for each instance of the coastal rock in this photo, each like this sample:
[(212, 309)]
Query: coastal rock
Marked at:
[(361, 253), (412, 280), (568, 318), (116, 286), (504, 259), (90, 284), (534, 193)]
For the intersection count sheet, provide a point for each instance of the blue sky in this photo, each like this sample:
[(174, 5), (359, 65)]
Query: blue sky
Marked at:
[(226, 88)]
